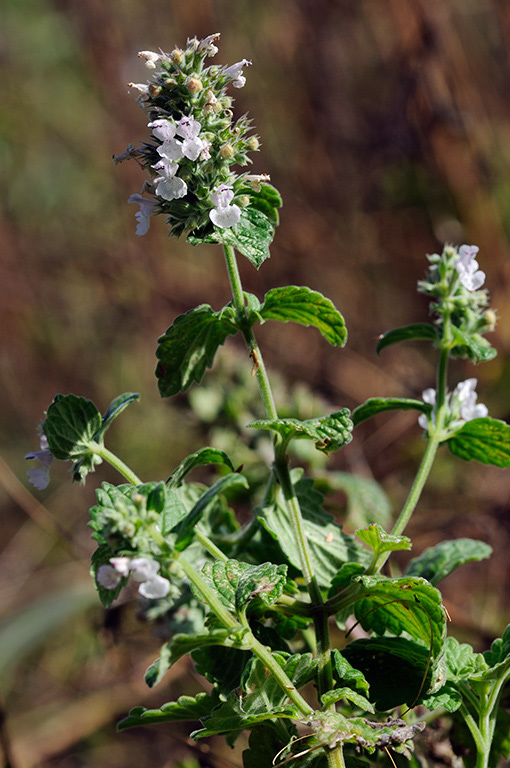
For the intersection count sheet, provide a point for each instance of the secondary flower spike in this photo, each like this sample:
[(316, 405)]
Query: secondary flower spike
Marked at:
[(40, 476)]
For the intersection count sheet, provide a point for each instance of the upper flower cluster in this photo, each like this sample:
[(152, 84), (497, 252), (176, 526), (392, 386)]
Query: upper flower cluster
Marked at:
[(194, 142), (454, 282)]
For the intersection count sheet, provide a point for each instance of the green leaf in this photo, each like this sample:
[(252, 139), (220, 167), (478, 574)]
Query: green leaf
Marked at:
[(331, 697), (185, 708), (182, 644), (299, 304), (329, 432), (448, 697), (185, 531), (413, 332), (333, 727), (114, 409), (267, 200), (497, 659), (405, 604), (70, 426), (380, 541), (251, 237), (102, 557), (265, 743), (380, 404), (367, 502), (460, 663), (486, 440), (264, 699), (238, 583), (438, 562), (222, 666), (329, 546), (197, 459), (188, 347), (346, 673), (472, 346), (398, 670)]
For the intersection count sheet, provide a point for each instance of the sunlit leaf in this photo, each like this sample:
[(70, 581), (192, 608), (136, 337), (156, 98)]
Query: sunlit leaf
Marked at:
[(438, 562), (486, 440), (328, 432), (381, 404), (299, 304), (413, 332)]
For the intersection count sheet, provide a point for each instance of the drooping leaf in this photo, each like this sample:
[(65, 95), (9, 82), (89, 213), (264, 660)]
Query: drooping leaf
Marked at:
[(380, 404), (367, 502), (329, 546), (199, 458), (185, 530), (70, 426), (380, 541), (472, 346), (406, 604), (438, 562), (328, 432), (398, 670), (413, 332), (251, 237), (238, 583), (188, 347), (347, 694), (114, 409), (486, 440), (181, 644), (265, 699), (299, 304), (185, 708), (346, 673)]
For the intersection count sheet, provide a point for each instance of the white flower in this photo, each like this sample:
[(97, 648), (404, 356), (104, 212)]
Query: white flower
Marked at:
[(193, 145), (143, 215), (207, 44), (466, 265), (235, 71), (152, 60), (429, 396), (163, 129), (224, 214), (40, 476), (170, 188), (465, 395), (121, 565), (143, 569), (143, 92), (155, 587), (107, 577)]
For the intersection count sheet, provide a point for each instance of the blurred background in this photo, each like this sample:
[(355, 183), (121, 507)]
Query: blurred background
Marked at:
[(385, 124)]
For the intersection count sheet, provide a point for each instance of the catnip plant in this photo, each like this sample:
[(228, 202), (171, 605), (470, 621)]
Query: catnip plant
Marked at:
[(253, 603)]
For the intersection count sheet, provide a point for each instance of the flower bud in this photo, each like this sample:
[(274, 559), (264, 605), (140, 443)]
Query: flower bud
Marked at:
[(227, 151), (194, 85), (177, 55), (154, 90), (489, 319), (243, 200), (252, 143)]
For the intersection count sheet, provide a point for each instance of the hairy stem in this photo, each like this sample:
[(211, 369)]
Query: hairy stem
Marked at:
[(336, 757)]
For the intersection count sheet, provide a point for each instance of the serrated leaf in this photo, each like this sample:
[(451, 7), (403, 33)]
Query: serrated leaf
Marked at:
[(329, 546), (181, 644), (367, 502), (238, 583), (188, 347), (251, 237), (329, 432), (114, 409), (345, 576), (380, 541), (398, 670), (267, 200), (337, 694), (199, 458), (413, 332), (381, 404), (472, 346), (346, 673), (497, 659), (448, 697), (264, 700), (486, 440), (405, 604), (438, 562), (186, 528), (299, 304), (70, 426), (185, 708), (461, 661)]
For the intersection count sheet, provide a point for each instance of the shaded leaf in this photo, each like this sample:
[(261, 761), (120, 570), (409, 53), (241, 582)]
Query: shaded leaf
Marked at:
[(346, 673), (486, 440), (380, 541), (70, 426), (438, 562), (267, 200), (188, 347), (413, 332), (199, 458), (380, 404), (185, 708), (329, 432), (367, 502), (299, 304), (114, 409), (237, 583), (329, 546), (347, 694), (473, 346), (497, 659)]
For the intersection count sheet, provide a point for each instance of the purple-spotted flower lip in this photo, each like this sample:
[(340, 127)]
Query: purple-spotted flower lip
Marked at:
[(40, 476), (225, 214), (466, 265)]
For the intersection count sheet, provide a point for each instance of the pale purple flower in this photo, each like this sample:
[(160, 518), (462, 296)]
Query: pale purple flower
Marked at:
[(108, 577), (466, 265), (193, 145), (143, 215), (121, 565), (224, 215), (152, 60), (40, 476), (155, 587), (163, 129), (143, 569), (207, 44), (170, 188), (465, 395), (235, 71)]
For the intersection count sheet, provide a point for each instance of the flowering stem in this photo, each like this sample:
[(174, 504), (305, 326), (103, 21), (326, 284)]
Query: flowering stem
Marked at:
[(117, 463), (325, 674)]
